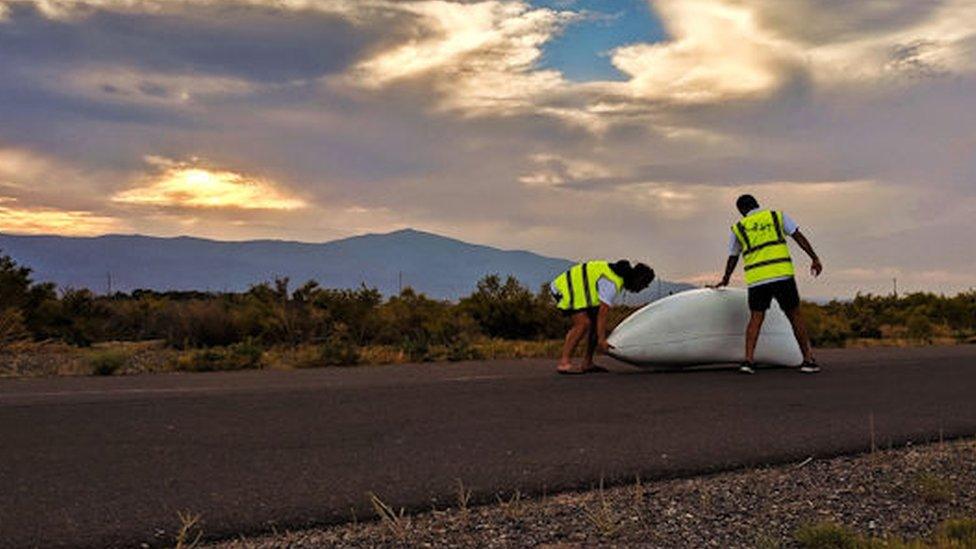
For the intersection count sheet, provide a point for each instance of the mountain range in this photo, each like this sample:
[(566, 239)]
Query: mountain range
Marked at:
[(441, 267)]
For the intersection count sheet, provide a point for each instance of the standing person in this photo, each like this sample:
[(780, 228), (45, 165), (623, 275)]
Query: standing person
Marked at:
[(760, 236), (585, 293)]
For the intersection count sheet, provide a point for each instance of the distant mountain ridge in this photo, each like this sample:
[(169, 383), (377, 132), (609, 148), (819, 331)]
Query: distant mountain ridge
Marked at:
[(441, 267)]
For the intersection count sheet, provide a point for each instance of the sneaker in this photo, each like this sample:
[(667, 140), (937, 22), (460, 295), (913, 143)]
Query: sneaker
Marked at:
[(746, 368), (810, 368)]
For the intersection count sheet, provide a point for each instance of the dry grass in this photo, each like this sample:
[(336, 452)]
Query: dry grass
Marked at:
[(292, 358), (463, 497), (486, 349), (513, 507), (950, 534), (395, 522), (899, 342), (49, 359), (603, 516), (932, 488), (189, 534)]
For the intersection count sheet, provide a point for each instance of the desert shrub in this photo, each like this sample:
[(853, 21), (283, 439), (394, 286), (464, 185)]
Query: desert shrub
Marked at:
[(958, 532), (339, 349), (134, 319), (865, 314), (262, 313), (12, 326), (15, 283), (78, 317), (342, 323), (950, 534), (356, 309), (417, 350), (241, 356), (107, 363), (919, 327), (932, 488), (210, 323), (825, 330), (417, 325), (463, 348), (85, 317), (507, 311), (826, 536)]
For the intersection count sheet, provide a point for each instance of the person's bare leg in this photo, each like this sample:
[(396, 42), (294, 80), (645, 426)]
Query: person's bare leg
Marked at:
[(591, 337), (752, 334), (581, 324), (800, 331)]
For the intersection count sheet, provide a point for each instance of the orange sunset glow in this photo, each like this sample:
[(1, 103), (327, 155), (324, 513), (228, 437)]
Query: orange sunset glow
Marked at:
[(17, 220), (196, 187)]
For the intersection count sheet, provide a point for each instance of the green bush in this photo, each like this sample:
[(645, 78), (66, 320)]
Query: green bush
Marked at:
[(12, 326), (463, 349), (107, 363), (824, 329), (959, 531), (343, 322), (826, 536), (339, 349), (932, 488), (919, 327), (202, 323), (417, 350), (241, 356), (510, 310)]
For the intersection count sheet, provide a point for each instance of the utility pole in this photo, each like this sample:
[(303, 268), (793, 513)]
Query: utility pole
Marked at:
[(894, 282)]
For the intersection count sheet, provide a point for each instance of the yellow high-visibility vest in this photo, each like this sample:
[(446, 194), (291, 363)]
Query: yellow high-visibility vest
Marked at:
[(764, 250), (577, 287)]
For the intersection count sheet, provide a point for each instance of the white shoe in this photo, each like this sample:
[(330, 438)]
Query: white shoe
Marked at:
[(746, 368), (810, 368)]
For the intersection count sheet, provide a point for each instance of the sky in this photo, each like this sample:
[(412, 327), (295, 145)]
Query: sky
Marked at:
[(572, 128)]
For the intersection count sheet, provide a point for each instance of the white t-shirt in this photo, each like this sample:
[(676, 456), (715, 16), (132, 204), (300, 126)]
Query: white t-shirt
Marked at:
[(605, 289), (735, 248)]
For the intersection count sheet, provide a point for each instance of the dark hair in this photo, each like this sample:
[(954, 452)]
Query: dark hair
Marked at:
[(746, 203), (636, 277)]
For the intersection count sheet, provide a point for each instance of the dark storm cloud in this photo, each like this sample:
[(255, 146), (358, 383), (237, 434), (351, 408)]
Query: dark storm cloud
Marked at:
[(136, 64), (254, 43)]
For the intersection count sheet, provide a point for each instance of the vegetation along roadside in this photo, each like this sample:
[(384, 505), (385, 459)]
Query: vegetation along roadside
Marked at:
[(45, 330)]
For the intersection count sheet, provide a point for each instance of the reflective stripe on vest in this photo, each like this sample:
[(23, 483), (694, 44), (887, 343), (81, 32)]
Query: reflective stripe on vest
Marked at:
[(577, 287), (764, 250)]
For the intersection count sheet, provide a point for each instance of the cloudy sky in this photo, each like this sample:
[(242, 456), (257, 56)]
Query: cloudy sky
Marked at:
[(573, 128)]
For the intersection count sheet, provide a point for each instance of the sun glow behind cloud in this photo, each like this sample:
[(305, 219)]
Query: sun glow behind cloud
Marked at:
[(190, 186)]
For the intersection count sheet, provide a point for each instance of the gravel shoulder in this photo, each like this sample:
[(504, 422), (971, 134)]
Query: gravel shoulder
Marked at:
[(896, 494)]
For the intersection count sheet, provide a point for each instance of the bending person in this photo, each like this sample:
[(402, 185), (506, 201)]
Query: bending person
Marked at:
[(760, 236), (585, 293)]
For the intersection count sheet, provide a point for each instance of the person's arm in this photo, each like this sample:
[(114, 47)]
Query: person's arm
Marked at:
[(816, 267), (734, 250), (601, 328), (729, 269)]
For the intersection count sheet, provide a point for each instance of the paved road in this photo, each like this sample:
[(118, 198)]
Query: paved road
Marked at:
[(110, 461)]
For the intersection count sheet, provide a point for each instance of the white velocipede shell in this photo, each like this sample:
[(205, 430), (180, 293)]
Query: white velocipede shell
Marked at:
[(702, 326)]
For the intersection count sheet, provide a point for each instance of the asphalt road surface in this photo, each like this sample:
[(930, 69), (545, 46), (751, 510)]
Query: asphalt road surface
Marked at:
[(110, 461)]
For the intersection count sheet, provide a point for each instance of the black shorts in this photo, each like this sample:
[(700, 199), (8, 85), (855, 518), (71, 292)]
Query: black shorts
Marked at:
[(590, 312), (784, 291)]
